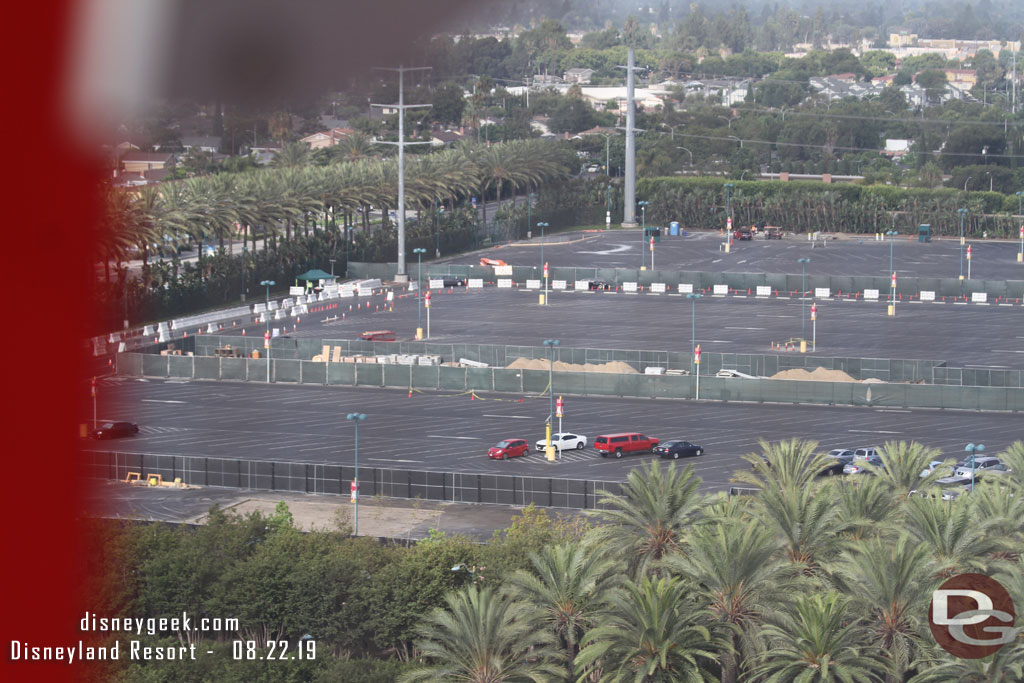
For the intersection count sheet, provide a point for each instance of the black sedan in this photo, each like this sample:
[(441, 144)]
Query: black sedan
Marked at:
[(674, 448), (450, 281), (599, 285), (114, 430), (838, 458)]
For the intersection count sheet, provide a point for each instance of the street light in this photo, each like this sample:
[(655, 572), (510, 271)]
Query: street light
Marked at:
[(529, 215), (266, 315), (728, 215), (803, 303), (1020, 254), (733, 137), (356, 418), (543, 263), (891, 234), (643, 232), (551, 344), (419, 291), (963, 213), (244, 249), (967, 181), (688, 152), (332, 265), (971, 448)]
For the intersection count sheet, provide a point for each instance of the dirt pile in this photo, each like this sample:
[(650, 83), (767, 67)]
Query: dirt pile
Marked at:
[(818, 375), (614, 367)]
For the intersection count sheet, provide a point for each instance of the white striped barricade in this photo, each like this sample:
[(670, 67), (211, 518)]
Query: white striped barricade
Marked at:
[(926, 295), (629, 287), (871, 295), (822, 292), (476, 282), (979, 297), (505, 283), (657, 288), (558, 284), (582, 285), (436, 284), (685, 287), (720, 290), (763, 290), (533, 284)]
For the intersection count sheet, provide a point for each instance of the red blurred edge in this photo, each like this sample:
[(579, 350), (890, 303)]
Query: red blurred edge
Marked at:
[(50, 215)]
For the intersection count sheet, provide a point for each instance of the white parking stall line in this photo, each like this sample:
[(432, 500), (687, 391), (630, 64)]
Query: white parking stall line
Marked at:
[(442, 436), (513, 417)]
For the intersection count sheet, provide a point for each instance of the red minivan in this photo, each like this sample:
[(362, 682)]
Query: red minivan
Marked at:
[(619, 444)]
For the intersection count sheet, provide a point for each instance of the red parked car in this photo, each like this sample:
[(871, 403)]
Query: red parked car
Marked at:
[(620, 444), (509, 448)]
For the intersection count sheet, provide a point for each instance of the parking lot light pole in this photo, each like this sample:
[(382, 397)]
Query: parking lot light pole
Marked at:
[(728, 214), (963, 213), (266, 315), (971, 448), (643, 233), (891, 234), (803, 303), (693, 325), (356, 419), (549, 450), (419, 291)]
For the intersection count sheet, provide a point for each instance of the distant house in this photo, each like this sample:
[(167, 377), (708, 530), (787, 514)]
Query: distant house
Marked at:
[(441, 138), (209, 143), (598, 97), (138, 179), (581, 76), (327, 138), (541, 80), (731, 91), (138, 162), (896, 148), (964, 79), (839, 87)]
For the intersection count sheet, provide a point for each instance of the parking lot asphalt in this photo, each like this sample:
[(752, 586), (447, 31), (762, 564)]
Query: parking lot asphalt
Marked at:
[(846, 255), (961, 334), (451, 433)]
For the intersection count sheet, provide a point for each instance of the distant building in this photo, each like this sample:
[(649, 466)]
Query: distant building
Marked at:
[(896, 148), (210, 143), (327, 138), (581, 76), (138, 162)]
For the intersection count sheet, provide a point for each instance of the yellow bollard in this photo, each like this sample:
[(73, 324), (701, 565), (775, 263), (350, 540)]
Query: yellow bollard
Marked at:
[(548, 448), (803, 346), (541, 302), (892, 310), (1020, 257), (726, 247), (419, 333)]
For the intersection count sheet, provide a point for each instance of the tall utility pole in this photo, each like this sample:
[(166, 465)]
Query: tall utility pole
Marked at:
[(401, 275), (629, 199)]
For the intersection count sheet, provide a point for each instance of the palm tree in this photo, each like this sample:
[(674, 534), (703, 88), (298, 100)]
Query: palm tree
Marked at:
[(647, 520), (956, 538), (904, 462), (786, 464), (650, 632), (863, 505), (566, 587), (806, 522), (1005, 666), (485, 637), (293, 155), (729, 565), (817, 641), (888, 582)]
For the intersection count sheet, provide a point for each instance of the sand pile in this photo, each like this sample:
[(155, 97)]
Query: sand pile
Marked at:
[(819, 375), (614, 367)]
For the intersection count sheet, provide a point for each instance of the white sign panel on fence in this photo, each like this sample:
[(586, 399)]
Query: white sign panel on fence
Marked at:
[(582, 284), (558, 284), (927, 296), (436, 284), (685, 288), (505, 283), (979, 297), (533, 284), (296, 291), (822, 292), (871, 294), (628, 286), (764, 290), (477, 282), (721, 289), (502, 270), (658, 287)]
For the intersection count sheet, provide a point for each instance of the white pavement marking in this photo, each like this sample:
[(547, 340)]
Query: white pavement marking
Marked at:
[(1005, 351), (744, 328), (871, 431), (513, 417), (157, 400), (891, 410), (442, 436), (390, 460)]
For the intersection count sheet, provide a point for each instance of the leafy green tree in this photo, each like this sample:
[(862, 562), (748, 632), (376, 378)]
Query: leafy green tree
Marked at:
[(783, 465), (649, 632), (483, 637), (957, 540), (904, 462)]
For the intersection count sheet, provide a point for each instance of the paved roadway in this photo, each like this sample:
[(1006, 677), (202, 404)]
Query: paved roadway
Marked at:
[(847, 255), (962, 334), (445, 432)]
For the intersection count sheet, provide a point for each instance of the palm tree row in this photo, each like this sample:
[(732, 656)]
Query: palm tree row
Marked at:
[(811, 579), (295, 192)]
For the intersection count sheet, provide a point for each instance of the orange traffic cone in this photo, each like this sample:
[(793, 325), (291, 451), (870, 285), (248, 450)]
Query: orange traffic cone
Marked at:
[(243, 331), (410, 393)]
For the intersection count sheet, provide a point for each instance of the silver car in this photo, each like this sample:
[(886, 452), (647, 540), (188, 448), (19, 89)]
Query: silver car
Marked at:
[(986, 464)]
